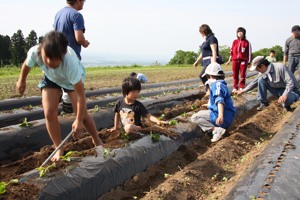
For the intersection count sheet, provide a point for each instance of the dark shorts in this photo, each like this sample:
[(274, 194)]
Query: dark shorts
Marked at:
[(46, 83)]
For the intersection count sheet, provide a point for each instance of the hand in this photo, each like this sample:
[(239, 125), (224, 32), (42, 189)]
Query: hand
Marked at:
[(86, 44), (162, 122), (220, 120), (227, 63), (195, 64), (249, 65), (239, 92), (111, 130), (77, 127), (282, 99), (21, 86)]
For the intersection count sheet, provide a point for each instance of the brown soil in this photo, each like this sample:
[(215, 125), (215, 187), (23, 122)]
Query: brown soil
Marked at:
[(191, 167)]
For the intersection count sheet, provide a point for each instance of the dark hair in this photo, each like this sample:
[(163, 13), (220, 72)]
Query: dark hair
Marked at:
[(204, 29), (132, 74), (241, 29), (129, 84), (71, 2), (222, 77), (272, 51), (54, 45), (264, 62)]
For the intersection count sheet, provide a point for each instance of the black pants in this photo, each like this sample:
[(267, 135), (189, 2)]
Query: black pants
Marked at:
[(203, 79)]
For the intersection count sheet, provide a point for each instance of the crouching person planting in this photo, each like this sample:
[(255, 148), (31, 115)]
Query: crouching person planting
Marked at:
[(129, 111), (62, 71), (221, 111)]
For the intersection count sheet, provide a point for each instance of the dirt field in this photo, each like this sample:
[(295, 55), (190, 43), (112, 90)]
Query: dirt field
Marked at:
[(201, 170)]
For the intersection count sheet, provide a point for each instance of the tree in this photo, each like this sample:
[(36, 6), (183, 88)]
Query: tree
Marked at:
[(31, 40), (266, 51), (225, 52), (18, 48), (41, 39), (183, 57), (5, 53)]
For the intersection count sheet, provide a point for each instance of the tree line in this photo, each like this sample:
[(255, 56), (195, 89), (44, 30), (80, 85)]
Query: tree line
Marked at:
[(13, 49), (189, 57)]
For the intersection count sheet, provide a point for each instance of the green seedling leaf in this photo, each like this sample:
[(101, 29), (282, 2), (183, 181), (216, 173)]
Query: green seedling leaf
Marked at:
[(96, 109), (173, 122), (167, 175), (193, 107), (183, 114), (178, 90), (62, 113), (67, 156), (105, 153), (154, 137), (162, 116), (25, 123), (2, 187), (44, 170), (125, 137)]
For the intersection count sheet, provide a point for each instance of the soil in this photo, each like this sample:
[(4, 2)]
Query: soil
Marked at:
[(189, 170)]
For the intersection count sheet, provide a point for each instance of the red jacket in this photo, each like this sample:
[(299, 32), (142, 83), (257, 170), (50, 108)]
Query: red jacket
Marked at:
[(241, 50)]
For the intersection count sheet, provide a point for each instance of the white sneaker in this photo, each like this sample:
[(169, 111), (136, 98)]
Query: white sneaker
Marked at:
[(241, 89), (234, 90), (217, 134)]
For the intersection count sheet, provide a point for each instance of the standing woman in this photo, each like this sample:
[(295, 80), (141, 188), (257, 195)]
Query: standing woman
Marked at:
[(209, 50), (241, 55)]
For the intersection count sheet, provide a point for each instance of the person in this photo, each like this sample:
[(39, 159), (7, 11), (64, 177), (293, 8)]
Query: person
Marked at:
[(241, 55), (275, 77), (209, 51), (69, 21), (129, 111), (62, 70), (271, 58), (292, 50), (221, 111), (141, 77)]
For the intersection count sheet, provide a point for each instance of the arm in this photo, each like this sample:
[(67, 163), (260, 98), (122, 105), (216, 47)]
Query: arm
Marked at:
[(220, 119), (249, 55), (154, 119), (286, 51), (229, 60), (214, 52), (117, 120), (198, 60), (284, 59), (81, 39), (21, 83), (289, 84)]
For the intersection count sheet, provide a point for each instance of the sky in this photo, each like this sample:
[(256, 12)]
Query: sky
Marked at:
[(156, 29)]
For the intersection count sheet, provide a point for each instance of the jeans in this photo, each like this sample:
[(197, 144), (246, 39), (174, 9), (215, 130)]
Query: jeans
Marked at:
[(263, 87), (294, 64)]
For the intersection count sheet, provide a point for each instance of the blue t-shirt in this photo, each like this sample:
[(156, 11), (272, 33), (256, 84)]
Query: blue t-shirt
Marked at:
[(68, 73), (68, 20), (142, 77), (206, 50), (219, 93)]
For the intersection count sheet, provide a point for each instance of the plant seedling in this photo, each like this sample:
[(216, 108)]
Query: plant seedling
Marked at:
[(134, 197), (3, 185), (154, 137), (105, 152), (25, 123), (252, 197), (183, 114), (96, 109), (225, 178), (215, 176), (173, 122), (44, 170), (193, 107), (125, 137), (178, 90), (186, 179), (205, 191), (67, 156), (162, 116), (227, 167), (167, 175), (62, 113)]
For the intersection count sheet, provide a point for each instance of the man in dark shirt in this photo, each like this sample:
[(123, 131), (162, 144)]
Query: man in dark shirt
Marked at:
[(292, 50)]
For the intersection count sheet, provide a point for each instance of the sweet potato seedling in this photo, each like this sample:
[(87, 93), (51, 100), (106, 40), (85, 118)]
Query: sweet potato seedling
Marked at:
[(125, 137), (96, 109), (173, 122), (67, 156), (44, 170), (25, 123), (193, 107), (183, 114), (3, 185), (162, 116), (154, 137)]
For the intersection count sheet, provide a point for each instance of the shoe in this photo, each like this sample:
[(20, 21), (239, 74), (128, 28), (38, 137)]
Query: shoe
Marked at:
[(67, 108), (241, 89), (217, 134), (234, 90), (262, 105), (288, 108)]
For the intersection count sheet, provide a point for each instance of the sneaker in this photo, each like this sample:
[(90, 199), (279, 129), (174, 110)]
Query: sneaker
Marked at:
[(67, 108), (234, 90), (288, 108), (241, 89), (262, 106), (217, 134)]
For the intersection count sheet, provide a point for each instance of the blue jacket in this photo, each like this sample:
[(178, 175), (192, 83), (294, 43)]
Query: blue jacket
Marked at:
[(219, 93)]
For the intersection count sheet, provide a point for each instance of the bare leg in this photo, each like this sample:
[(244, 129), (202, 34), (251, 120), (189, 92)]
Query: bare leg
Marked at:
[(50, 98), (131, 128), (88, 121)]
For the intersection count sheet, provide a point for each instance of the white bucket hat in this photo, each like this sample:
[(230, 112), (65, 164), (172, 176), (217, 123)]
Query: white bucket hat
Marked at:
[(213, 69)]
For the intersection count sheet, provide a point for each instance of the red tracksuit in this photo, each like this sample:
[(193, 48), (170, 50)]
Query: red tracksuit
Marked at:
[(241, 54)]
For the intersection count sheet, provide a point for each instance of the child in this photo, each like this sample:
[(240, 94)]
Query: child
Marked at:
[(129, 110), (141, 77), (62, 70), (271, 58), (241, 55), (221, 111)]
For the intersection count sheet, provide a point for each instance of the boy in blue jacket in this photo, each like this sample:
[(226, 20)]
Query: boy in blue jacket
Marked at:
[(221, 111)]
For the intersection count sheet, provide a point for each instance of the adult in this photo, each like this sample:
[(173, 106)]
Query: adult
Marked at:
[(141, 77), (275, 77), (209, 51), (69, 21), (292, 50), (241, 55)]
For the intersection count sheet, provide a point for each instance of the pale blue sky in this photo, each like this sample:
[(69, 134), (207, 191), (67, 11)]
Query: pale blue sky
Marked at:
[(158, 28)]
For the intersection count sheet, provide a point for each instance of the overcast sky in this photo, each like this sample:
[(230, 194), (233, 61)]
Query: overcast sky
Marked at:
[(158, 28)]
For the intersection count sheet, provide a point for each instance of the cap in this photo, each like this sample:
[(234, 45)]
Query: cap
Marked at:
[(257, 61), (132, 74), (296, 29), (213, 69)]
